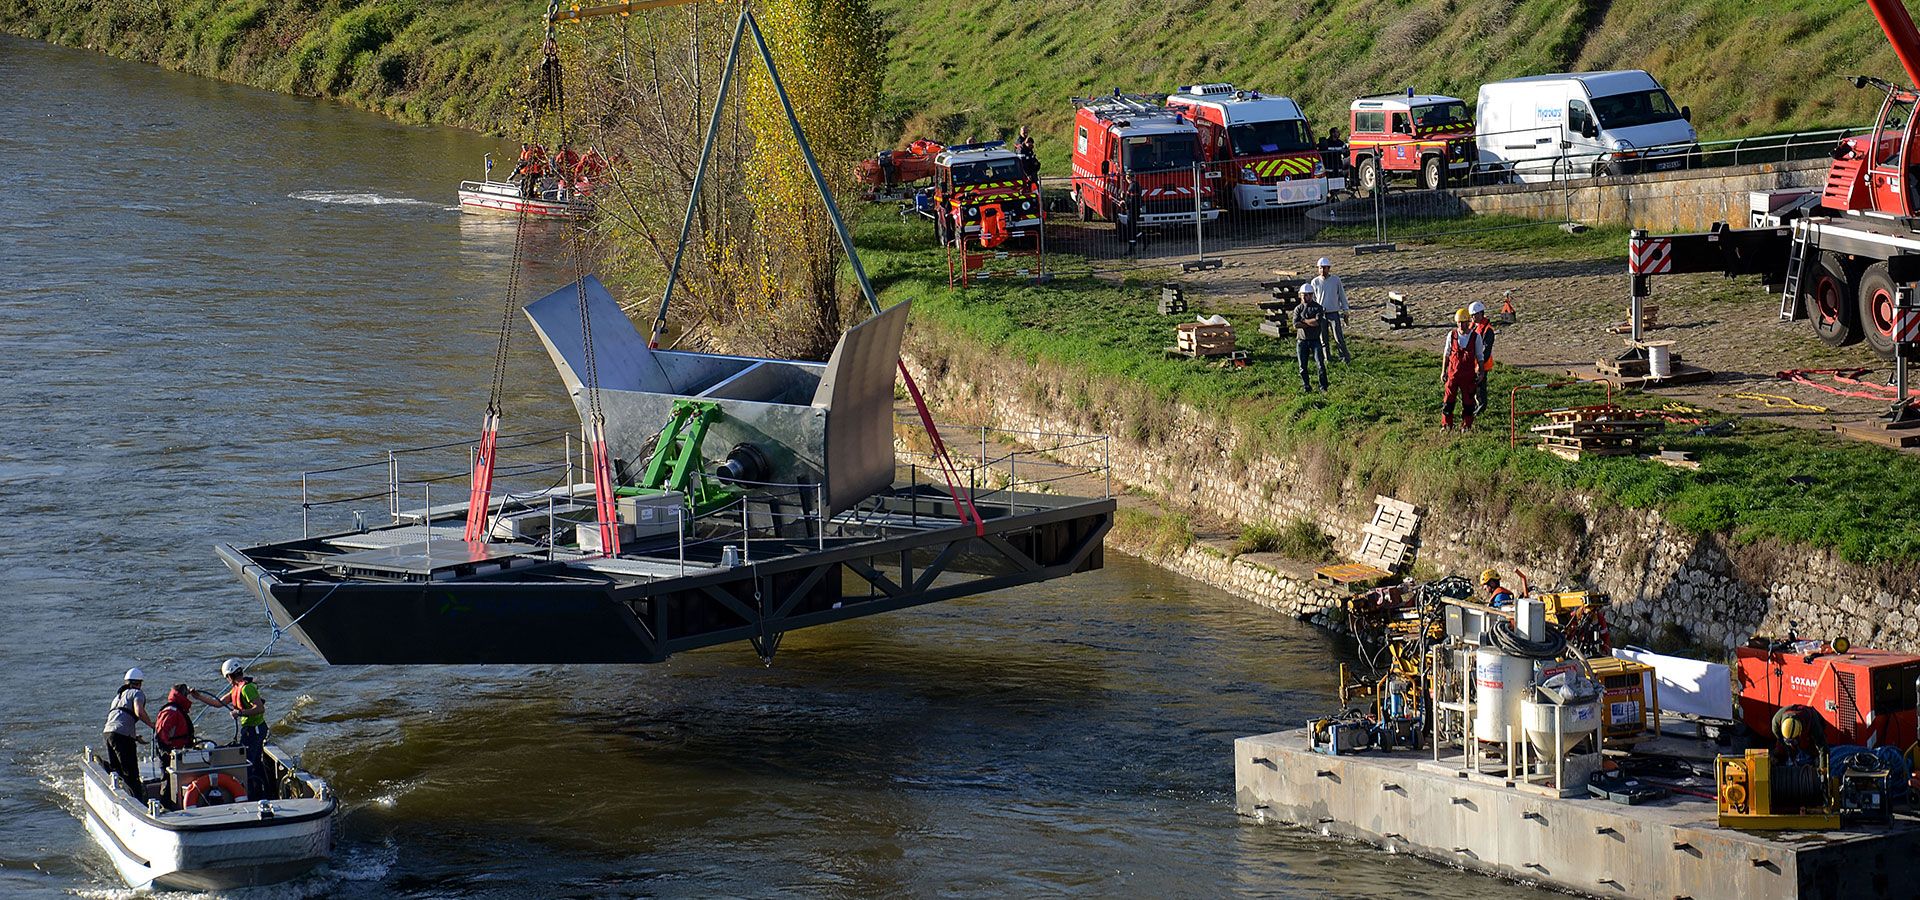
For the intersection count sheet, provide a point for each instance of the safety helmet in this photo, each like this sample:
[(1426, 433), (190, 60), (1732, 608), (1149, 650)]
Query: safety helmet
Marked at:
[(1306, 289), (1489, 576), (1324, 263), (134, 674), (1461, 315), (1476, 308), (230, 667), (1791, 728)]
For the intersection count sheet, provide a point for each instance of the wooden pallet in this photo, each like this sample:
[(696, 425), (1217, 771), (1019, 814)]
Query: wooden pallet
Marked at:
[(1679, 459), (1200, 339), (1881, 433), (1350, 574), (1649, 318), (1387, 542), (1172, 299), (1576, 454), (1602, 430)]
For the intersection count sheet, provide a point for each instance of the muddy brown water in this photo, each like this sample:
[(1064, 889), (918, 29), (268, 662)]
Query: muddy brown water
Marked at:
[(209, 288)]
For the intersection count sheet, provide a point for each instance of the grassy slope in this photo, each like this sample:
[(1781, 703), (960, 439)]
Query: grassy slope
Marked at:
[(1378, 424), (979, 68), (415, 60)]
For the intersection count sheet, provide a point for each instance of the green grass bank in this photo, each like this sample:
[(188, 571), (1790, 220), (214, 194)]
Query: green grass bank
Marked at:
[(980, 69), (416, 61), (1378, 426)]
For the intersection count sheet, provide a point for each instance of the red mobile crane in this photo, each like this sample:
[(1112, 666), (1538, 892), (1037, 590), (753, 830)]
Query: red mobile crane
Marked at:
[(1836, 252)]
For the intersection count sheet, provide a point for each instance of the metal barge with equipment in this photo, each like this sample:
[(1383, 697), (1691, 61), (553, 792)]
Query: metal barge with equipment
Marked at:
[(1499, 742), (734, 499)]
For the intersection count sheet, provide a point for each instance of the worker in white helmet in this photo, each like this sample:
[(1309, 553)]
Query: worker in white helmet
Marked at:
[(1333, 303), (129, 709), (249, 711), (1483, 337), (1309, 336)]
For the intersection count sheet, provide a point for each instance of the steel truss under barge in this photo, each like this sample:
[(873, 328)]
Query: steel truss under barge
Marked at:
[(394, 595)]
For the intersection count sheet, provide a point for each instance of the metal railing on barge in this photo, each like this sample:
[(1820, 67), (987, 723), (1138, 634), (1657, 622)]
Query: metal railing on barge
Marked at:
[(1009, 464)]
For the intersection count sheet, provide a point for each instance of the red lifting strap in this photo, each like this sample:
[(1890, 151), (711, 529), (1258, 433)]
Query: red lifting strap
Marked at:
[(479, 500), (1868, 390), (604, 508), (962, 503)]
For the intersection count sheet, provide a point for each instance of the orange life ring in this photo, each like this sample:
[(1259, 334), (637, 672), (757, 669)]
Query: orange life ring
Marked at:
[(198, 791)]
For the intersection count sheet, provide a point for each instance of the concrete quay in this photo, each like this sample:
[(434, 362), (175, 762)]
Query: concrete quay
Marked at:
[(1665, 850)]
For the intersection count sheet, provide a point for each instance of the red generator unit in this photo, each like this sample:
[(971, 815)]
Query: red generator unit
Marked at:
[(1865, 696)]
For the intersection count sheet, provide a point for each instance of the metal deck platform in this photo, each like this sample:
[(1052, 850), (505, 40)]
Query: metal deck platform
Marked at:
[(508, 603)]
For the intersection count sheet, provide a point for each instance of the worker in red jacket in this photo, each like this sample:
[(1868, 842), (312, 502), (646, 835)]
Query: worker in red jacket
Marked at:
[(1459, 370), (173, 727)]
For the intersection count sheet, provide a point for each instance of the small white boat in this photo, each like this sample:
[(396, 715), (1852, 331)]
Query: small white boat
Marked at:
[(504, 197), (219, 839)]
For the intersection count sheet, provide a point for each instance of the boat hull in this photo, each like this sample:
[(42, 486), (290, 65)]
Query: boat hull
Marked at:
[(502, 197), (223, 852)]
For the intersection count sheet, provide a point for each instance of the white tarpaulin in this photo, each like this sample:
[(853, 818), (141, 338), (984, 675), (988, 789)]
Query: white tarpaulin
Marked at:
[(1688, 685)]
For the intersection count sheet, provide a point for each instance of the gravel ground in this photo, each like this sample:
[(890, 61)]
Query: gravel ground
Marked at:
[(1564, 309)]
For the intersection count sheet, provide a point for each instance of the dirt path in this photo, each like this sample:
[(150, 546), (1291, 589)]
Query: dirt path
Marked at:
[(1564, 309)]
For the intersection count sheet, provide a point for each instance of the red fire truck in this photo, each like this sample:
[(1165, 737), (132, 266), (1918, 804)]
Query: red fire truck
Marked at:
[(1430, 135), (982, 192), (1839, 251), (1258, 148), (1134, 162)]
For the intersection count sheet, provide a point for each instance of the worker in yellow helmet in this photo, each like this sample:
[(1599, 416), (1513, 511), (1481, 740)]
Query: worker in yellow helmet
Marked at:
[(1497, 596), (1459, 371)]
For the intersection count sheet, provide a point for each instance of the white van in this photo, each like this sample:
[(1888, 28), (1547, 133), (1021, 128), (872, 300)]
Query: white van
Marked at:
[(1550, 127)]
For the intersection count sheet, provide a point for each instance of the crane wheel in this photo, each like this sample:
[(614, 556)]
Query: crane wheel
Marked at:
[(1876, 309), (1835, 319)]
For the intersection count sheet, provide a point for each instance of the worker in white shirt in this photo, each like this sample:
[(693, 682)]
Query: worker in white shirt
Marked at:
[(1333, 304)]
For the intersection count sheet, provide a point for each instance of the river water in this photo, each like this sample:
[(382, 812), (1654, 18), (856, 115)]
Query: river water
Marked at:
[(208, 288)]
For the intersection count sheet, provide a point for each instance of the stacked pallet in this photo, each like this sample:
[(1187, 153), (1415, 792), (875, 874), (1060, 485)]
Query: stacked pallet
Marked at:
[(1204, 338), (1603, 430), (1277, 310), (1387, 546), (1173, 300), (1388, 541)]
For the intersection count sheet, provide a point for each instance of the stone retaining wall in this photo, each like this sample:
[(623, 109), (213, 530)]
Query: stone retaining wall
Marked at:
[(1666, 201), (1665, 581)]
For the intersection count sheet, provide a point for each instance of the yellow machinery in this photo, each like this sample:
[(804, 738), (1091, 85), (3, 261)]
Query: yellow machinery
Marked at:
[(1757, 795), (1630, 707)]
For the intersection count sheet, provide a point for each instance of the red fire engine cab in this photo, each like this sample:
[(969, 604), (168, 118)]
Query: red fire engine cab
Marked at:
[(1259, 149), (1426, 134), (1865, 696), (1134, 163)]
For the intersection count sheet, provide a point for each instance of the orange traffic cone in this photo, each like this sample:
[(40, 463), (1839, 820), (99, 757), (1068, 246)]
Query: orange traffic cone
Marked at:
[(1507, 316)]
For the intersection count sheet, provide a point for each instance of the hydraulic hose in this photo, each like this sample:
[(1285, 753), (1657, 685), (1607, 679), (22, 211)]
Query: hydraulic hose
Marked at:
[(1504, 638)]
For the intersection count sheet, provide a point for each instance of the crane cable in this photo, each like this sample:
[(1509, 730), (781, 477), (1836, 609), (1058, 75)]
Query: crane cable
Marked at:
[(605, 512)]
